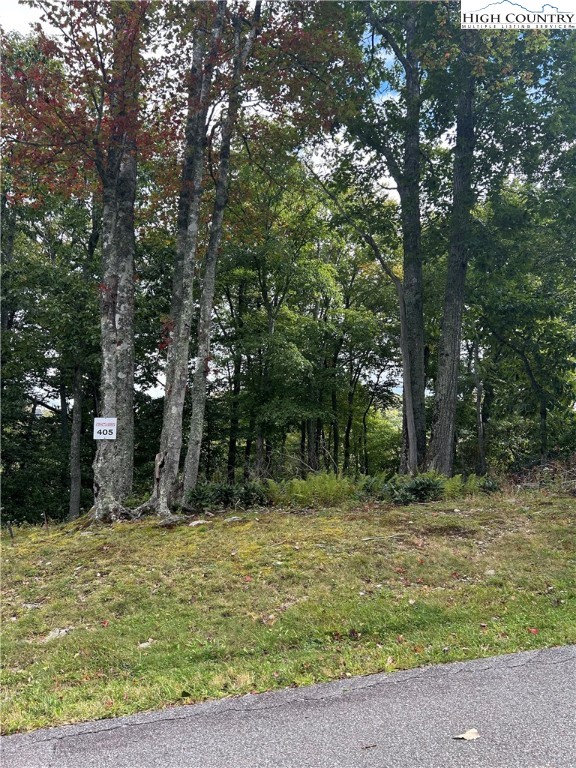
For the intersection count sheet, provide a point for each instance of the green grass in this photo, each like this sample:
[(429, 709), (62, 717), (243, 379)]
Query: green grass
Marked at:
[(163, 616)]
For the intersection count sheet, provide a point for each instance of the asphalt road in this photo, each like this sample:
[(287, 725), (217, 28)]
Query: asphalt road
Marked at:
[(523, 706)]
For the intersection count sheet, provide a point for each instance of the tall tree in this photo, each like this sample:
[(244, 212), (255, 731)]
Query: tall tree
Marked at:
[(441, 449), (243, 46), (78, 99), (388, 125), (116, 165), (208, 20)]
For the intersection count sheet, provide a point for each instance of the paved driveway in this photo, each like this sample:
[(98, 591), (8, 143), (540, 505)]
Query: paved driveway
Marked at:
[(523, 706)]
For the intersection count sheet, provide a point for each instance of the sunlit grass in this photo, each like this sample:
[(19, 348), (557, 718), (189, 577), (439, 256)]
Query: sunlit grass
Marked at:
[(156, 616)]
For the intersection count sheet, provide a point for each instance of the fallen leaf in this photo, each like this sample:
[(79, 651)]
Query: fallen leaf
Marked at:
[(533, 630), (468, 735)]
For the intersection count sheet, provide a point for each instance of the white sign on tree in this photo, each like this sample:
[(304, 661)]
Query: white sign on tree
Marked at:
[(105, 429)]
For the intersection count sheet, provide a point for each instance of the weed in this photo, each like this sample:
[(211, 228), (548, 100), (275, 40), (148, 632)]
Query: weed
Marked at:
[(405, 490), (317, 490)]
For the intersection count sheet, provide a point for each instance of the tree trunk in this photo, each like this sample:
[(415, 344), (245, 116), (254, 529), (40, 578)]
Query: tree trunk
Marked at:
[(312, 445), (480, 420), (543, 428), (75, 448), (409, 191), (248, 449), (303, 465), (242, 52), (64, 432), (269, 453), (234, 421), (7, 233), (236, 388), (365, 441), (406, 173), (348, 429), (259, 464), (180, 324), (441, 457), (114, 462), (335, 433)]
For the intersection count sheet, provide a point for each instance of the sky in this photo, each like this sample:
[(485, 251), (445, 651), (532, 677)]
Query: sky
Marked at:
[(17, 17)]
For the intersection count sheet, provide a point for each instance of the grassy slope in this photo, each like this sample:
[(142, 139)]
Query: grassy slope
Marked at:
[(161, 616)]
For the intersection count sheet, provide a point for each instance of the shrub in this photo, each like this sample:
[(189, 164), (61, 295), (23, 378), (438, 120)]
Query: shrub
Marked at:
[(490, 485), (253, 495), (454, 487), (403, 489), (426, 487), (397, 493), (318, 490), (460, 486)]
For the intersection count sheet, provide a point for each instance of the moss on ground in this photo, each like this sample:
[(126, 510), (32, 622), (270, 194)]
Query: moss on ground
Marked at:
[(149, 617)]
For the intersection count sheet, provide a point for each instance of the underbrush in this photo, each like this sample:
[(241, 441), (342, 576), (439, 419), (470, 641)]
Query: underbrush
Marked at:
[(211, 496), (319, 490), (330, 490), (403, 489)]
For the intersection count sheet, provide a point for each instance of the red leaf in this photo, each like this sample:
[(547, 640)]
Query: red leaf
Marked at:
[(533, 630)]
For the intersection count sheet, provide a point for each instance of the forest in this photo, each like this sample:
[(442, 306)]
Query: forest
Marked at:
[(276, 240)]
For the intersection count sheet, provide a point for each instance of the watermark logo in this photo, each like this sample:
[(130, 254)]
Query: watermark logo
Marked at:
[(527, 14)]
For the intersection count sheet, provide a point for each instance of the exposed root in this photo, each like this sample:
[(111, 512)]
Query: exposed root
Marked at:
[(149, 507), (111, 511)]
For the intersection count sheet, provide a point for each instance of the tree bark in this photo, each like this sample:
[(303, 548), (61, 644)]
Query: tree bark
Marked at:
[(191, 191), (248, 447), (114, 462), (236, 387), (312, 445), (242, 52), (234, 421), (64, 432), (441, 453), (7, 233), (75, 447), (348, 429), (413, 299), (480, 416), (406, 172)]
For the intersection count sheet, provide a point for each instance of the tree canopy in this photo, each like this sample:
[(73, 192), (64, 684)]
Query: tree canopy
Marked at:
[(272, 239)]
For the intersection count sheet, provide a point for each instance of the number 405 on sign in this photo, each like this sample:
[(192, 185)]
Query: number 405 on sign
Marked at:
[(105, 429)]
